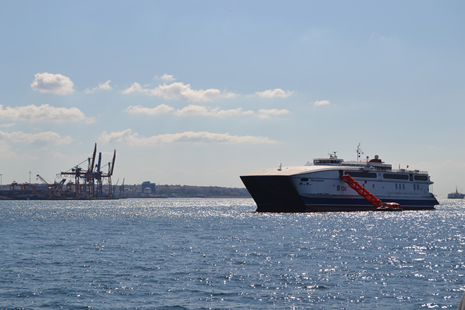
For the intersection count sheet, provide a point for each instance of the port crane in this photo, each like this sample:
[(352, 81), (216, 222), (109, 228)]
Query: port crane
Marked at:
[(99, 175), (121, 189), (92, 177), (55, 188), (362, 191)]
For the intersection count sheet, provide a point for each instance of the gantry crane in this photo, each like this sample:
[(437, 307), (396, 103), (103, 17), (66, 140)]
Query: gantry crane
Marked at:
[(54, 190), (43, 181), (92, 176)]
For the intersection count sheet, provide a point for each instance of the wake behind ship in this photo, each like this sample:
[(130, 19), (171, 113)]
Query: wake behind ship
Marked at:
[(319, 186)]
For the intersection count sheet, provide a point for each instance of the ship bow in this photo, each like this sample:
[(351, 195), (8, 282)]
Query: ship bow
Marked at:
[(274, 193)]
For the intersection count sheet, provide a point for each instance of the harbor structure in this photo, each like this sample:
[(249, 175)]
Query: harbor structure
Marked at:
[(88, 182), (91, 181), (148, 188)]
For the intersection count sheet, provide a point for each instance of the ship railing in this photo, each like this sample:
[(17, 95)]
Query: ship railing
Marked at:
[(409, 171)]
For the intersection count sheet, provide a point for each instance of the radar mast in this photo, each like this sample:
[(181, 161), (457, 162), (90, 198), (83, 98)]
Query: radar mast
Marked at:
[(359, 152)]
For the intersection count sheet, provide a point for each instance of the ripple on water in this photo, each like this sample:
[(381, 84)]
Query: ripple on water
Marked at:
[(219, 253)]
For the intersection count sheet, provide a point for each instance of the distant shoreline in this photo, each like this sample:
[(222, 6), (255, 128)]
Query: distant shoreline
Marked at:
[(40, 191)]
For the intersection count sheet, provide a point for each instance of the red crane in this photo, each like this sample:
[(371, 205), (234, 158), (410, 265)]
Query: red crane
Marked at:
[(362, 191)]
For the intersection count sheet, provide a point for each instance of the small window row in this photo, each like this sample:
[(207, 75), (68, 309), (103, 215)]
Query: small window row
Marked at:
[(395, 176), (367, 175)]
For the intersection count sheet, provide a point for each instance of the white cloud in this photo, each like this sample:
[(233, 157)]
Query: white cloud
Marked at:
[(180, 91), (134, 88), (52, 83), (130, 138), (101, 86), (263, 113), (273, 93), (7, 125), (47, 137), (44, 113), (165, 77), (196, 110), (161, 109), (321, 102)]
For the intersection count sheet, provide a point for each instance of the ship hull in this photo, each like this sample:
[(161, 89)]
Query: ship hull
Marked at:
[(455, 196), (274, 194), (278, 194)]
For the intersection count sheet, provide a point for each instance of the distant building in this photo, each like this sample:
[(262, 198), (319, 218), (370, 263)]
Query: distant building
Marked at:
[(147, 184)]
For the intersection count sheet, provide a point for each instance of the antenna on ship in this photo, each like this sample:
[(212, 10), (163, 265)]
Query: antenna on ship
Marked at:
[(359, 151)]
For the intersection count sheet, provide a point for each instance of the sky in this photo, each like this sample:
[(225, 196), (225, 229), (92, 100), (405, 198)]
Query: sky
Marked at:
[(201, 92)]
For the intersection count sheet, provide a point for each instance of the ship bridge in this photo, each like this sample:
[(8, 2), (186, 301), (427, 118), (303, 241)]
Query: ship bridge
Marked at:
[(332, 161)]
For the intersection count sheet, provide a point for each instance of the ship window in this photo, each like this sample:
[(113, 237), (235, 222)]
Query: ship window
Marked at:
[(403, 186), (396, 185), (421, 177), (304, 179), (395, 176), (326, 161), (357, 174)]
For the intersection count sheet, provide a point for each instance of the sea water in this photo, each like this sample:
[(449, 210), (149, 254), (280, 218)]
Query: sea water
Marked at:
[(221, 254)]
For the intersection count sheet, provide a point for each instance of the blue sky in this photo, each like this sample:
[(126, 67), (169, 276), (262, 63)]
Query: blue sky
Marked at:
[(200, 92)]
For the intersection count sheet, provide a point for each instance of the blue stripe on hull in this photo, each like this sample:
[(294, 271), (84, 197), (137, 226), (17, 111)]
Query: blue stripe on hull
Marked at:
[(356, 204)]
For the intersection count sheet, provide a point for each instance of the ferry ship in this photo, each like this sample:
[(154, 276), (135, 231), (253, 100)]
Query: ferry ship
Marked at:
[(319, 186), (456, 195)]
